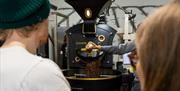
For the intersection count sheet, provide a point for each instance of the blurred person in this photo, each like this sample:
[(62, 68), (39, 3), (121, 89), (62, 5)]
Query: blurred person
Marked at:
[(24, 28), (158, 49), (119, 49)]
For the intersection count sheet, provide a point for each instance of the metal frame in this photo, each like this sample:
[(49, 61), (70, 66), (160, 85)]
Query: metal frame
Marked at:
[(65, 17)]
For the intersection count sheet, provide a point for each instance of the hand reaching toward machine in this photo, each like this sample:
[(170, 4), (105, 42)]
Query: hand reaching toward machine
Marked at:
[(133, 58), (92, 45)]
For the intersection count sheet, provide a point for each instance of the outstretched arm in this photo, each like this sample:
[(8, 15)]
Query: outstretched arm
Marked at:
[(120, 49)]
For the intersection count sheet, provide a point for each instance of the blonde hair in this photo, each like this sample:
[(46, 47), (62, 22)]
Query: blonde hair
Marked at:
[(158, 48), (24, 32)]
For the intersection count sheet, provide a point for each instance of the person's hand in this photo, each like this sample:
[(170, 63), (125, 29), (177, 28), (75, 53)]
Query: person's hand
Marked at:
[(133, 58), (92, 45)]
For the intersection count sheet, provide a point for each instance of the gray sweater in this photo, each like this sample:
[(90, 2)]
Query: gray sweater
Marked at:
[(120, 49)]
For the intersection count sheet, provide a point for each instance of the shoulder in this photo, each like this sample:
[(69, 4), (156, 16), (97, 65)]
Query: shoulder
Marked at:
[(46, 75), (43, 63), (46, 66)]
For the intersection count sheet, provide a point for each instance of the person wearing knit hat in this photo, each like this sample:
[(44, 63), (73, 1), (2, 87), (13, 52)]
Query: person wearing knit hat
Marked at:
[(24, 28)]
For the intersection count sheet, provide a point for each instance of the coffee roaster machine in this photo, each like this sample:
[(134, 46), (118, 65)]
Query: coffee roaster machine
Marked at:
[(74, 57)]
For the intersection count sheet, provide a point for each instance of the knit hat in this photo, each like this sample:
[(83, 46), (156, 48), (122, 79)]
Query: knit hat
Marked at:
[(20, 13)]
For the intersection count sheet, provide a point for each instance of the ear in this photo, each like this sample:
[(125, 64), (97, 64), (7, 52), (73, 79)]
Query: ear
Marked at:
[(37, 27), (42, 31), (42, 26)]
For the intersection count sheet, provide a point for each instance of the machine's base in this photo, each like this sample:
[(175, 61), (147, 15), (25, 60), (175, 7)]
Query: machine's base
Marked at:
[(112, 81)]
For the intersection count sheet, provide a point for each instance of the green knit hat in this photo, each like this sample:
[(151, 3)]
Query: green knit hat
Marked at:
[(20, 13)]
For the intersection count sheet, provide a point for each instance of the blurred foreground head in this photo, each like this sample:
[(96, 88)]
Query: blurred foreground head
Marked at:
[(158, 49)]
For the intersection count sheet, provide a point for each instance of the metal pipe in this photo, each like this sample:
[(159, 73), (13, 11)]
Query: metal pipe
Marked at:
[(115, 17), (54, 7), (59, 14), (66, 18), (55, 43)]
